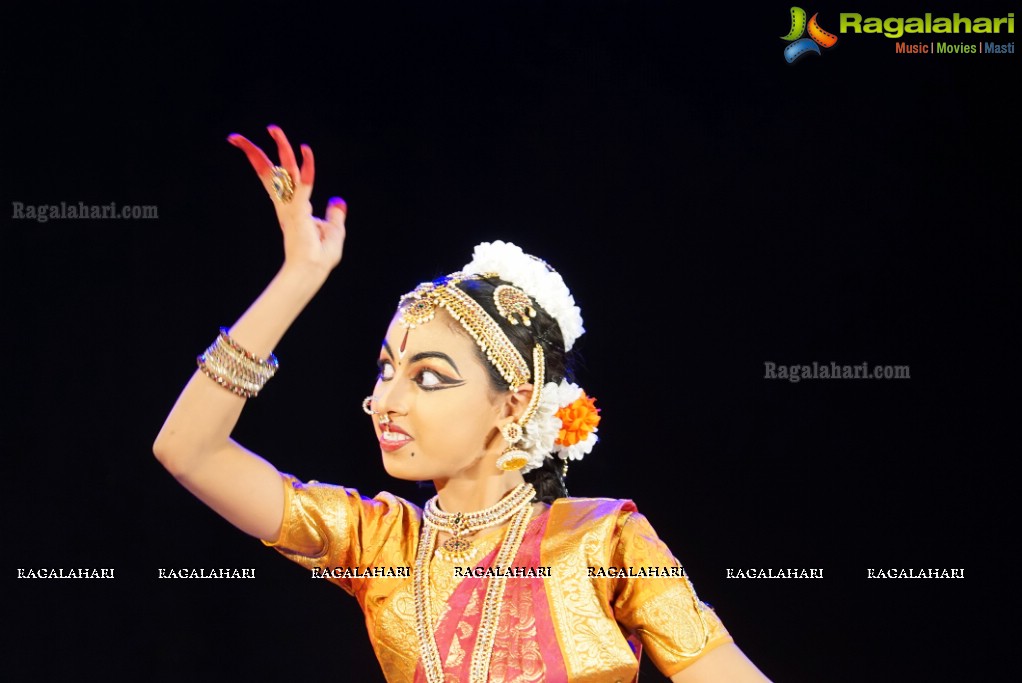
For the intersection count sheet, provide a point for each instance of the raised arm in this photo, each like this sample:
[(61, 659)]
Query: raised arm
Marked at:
[(724, 663), (194, 443)]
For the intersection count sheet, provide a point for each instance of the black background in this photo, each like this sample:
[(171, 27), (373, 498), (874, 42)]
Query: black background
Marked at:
[(711, 207)]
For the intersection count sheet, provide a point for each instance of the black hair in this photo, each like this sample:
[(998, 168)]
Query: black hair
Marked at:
[(544, 330)]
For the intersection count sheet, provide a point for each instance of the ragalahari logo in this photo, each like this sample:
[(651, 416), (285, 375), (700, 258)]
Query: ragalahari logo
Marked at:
[(800, 46)]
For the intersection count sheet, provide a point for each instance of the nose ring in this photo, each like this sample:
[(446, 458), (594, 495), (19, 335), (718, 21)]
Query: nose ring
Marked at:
[(366, 408)]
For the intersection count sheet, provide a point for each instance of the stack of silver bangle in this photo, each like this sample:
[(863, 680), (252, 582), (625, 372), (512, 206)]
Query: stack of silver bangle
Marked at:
[(235, 369)]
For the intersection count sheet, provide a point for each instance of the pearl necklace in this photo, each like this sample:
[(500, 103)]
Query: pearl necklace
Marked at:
[(459, 549), (519, 510)]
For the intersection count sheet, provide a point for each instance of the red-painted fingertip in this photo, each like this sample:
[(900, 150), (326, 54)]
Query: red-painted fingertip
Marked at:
[(272, 127), (339, 203), (234, 138)]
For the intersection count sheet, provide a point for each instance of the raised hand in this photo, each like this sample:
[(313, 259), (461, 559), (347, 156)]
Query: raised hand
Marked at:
[(312, 242)]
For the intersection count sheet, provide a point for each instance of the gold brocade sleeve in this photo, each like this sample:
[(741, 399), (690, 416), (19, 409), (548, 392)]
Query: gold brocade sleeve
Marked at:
[(675, 627), (328, 527)]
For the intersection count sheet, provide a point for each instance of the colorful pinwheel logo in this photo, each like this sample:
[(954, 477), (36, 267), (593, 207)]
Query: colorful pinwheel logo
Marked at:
[(800, 46)]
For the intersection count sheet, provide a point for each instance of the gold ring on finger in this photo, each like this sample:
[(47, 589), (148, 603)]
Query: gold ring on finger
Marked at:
[(283, 184)]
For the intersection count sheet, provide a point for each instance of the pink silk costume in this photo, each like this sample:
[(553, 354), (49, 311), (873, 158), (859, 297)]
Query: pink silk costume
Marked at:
[(564, 627)]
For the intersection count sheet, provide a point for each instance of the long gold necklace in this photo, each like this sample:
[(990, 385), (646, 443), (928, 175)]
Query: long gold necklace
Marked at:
[(459, 525), (519, 512)]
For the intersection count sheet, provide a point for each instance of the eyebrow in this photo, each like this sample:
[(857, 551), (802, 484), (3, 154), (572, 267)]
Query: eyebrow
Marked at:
[(438, 355), (424, 355)]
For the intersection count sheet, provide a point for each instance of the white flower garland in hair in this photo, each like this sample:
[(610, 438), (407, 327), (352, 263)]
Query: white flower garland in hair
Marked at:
[(541, 433), (535, 278)]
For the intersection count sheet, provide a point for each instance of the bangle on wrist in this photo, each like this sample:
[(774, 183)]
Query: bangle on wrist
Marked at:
[(234, 368)]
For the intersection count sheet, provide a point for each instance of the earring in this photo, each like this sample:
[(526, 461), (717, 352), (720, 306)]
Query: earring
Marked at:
[(366, 408), (512, 459), (512, 433)]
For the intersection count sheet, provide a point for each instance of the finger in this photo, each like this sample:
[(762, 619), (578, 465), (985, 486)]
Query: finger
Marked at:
[(336, 212), (308, 166), (332, 230), (287, 155), (260, 162)]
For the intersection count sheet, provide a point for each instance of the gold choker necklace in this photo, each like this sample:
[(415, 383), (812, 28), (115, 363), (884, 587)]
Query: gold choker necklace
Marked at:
[(518, 508), (458, 548)]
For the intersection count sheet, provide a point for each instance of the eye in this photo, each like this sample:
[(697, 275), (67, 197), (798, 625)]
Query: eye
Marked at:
[(386, 370), (429, 380)]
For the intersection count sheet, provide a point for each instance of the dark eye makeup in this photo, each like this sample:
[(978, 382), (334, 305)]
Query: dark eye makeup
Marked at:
[(428, 379)]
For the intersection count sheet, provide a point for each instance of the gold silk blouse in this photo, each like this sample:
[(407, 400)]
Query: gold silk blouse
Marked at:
[(599, 618)]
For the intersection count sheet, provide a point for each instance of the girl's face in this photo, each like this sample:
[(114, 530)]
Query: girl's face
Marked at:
[(444, 414)]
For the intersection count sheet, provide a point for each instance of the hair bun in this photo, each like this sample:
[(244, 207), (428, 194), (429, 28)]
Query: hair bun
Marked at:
[(533, 275)]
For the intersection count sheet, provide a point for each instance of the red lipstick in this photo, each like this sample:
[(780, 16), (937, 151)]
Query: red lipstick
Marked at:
[(398, 437)]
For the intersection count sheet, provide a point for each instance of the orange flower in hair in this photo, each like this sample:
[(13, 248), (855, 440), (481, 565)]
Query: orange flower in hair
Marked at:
[(578, 420)]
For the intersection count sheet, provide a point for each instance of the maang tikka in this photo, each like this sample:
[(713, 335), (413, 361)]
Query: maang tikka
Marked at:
[(419, 307), (514, 305)]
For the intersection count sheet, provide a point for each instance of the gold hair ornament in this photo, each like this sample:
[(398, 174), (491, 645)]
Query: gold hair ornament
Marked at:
[(420, 306), (514, 305)]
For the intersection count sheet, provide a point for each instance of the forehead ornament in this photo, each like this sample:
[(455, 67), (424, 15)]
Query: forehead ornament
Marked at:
[(419, 307)]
